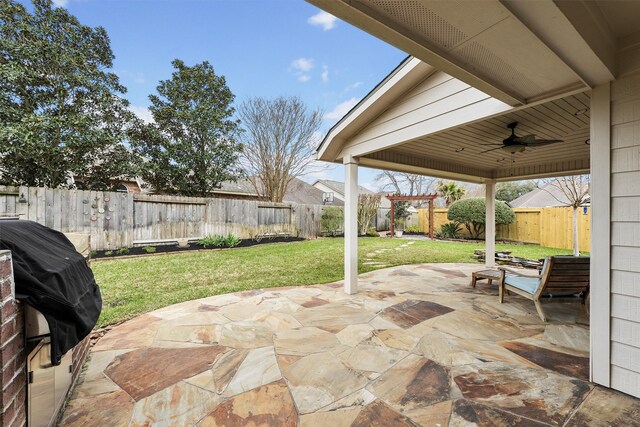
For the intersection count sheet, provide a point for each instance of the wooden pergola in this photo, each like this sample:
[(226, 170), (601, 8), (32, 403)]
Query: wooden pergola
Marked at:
[(394, 199)]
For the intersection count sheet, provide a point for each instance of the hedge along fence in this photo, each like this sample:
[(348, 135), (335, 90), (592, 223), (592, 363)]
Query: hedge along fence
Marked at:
[(115, 220), (550, 227)]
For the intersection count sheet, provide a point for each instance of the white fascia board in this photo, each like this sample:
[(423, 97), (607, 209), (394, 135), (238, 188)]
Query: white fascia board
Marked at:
[(402, 167), (470, 107), (405, 76)]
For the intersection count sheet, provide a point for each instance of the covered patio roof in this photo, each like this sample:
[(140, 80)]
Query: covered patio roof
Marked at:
[(475, 67)]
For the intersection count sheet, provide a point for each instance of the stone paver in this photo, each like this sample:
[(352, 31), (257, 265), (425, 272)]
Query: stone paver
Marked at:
[(415, 347)]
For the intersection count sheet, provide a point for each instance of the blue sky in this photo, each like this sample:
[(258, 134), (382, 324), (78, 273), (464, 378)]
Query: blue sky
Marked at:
[(264, 48)]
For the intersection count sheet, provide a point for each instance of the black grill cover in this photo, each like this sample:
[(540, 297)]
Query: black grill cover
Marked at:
[(54, 279)]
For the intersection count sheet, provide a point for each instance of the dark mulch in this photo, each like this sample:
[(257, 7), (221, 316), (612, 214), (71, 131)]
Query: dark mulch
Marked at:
[(191, 247)]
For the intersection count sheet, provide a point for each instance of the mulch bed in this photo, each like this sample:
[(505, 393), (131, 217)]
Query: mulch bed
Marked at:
[(160, 249)]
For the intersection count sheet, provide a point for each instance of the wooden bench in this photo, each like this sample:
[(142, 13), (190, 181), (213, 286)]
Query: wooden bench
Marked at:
[(154, 242)]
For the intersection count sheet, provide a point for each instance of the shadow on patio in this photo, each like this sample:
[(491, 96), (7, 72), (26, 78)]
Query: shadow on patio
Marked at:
[(417, 346)]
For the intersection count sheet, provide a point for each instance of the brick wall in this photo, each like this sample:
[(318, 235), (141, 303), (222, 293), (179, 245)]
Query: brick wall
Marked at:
[(80, 352), (12, 350), (13, 355)]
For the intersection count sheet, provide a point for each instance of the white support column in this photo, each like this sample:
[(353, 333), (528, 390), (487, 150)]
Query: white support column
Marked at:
[(350, 225), (490, 224), (600, 291)]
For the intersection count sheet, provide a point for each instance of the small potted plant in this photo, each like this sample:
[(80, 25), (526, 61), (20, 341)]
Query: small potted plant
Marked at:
[(399, 227)]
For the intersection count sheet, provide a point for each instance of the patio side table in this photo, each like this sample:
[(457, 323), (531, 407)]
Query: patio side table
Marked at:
[(490, 275)]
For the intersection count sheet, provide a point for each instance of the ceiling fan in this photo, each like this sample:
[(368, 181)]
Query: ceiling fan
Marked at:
[(517, 144)]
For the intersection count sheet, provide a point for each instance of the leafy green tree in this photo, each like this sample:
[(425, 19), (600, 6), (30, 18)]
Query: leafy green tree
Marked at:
[(61, 110), (450, 191), (508, 191), (192, 146), (472, 213), (400, 212), (331, 220)]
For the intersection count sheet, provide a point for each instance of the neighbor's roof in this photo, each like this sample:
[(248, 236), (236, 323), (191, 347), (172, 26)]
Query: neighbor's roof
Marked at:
[(543, 197), (338, 187), (299, 191), (242, 187)]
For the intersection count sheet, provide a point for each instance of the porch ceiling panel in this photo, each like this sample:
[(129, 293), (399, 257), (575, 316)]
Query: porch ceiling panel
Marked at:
[(480, 42)]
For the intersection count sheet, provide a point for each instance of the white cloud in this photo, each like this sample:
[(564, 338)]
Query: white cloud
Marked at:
[(324, 20), (341, 109), (301, 67), (353, 86), (143, 113), (60, 3), (325, 73), (303, 64)]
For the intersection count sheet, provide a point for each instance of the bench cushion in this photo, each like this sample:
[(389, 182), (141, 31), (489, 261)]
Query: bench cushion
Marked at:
[(527, 284)]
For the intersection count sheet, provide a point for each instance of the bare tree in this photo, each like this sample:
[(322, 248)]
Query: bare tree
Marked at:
[(404, 183), (278, 142), (570, 191), (368, 205)]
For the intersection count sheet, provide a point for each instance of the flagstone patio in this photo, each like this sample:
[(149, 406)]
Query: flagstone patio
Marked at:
[(417, 346)]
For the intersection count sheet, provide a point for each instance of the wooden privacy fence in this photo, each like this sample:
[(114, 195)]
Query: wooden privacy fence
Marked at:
[(116, 220), (550, 227)]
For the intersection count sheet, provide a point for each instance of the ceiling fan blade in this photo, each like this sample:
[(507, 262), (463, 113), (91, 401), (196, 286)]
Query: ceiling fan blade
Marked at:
[(490, 145), (527, 139), (491, 149), (541, 142)]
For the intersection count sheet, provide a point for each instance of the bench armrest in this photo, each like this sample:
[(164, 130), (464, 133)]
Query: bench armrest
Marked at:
[(511, 271)]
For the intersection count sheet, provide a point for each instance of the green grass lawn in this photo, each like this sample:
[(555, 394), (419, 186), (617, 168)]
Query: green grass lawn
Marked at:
[(132, 286)]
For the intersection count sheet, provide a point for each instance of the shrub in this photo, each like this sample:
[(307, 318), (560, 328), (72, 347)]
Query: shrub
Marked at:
[(149, 249), (372, 233), (368, 205), (212, 241), (450, 230), (331, 220), (123, 251), (471, 213), (412, 229), (218, 241), (231, 241), (108, 253)]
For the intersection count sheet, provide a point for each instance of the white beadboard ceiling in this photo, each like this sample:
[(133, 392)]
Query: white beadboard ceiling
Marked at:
[(554, 120), (566, 119)]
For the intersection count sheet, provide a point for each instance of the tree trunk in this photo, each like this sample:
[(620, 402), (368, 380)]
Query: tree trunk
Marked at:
[(576, 245)]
